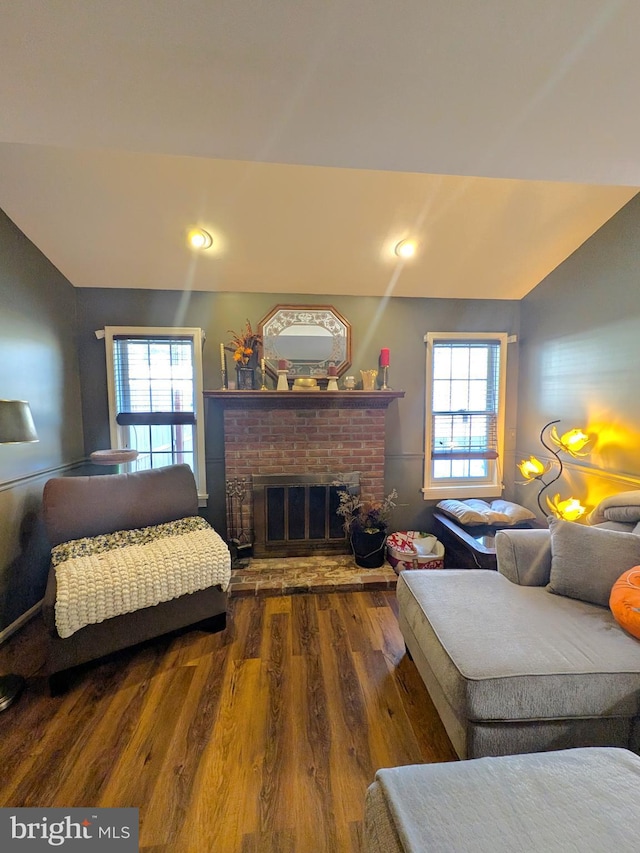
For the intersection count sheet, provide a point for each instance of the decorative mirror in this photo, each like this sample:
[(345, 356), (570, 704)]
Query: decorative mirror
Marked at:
[(308, 337)]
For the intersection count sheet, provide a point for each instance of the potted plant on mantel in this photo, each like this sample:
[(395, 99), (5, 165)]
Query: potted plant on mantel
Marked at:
[(365, 523)]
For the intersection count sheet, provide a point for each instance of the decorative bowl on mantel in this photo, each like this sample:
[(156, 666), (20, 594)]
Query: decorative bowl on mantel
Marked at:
[(305, 383)]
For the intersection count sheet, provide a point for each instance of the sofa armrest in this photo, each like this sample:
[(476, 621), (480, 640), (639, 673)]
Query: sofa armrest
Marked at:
[(524, 556)]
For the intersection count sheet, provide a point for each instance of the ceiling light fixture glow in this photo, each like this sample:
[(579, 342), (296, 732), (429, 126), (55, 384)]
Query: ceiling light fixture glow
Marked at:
[(200, 239), (406, 248)]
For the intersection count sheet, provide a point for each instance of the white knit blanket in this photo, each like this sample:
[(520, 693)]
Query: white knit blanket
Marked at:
[(105, 576)]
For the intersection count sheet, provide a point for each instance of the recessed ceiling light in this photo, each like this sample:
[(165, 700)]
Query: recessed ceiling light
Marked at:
[(406, 248), (200, 239)]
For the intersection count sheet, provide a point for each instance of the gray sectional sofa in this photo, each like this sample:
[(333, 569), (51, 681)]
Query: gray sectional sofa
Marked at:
[(529, 658)]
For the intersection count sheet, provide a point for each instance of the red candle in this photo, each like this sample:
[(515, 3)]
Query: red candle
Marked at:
[(332, 371), (384, 357), (282, 364)]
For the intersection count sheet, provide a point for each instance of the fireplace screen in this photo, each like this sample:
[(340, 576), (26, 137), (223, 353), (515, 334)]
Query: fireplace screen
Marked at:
[(295, 514)]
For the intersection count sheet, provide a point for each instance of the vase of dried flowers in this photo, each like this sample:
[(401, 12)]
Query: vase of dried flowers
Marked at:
[(244, 346), (245, 377), (366, 523)]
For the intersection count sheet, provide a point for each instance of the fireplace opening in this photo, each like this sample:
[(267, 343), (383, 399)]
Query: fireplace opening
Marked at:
[(295, 514)]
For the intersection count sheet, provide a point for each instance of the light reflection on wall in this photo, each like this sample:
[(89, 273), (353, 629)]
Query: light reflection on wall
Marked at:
[(584, 378)]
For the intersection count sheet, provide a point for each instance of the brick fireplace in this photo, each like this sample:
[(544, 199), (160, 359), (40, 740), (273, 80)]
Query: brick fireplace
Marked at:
[(304, 433)]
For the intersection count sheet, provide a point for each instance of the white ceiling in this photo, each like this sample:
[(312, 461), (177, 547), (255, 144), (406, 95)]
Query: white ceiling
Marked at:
[(310, 135)]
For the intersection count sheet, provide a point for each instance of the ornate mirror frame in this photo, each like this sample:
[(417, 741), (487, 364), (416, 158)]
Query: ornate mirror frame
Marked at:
[(308, 338)]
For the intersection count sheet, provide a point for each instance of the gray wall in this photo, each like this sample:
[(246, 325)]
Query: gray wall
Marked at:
[(579, 360), (399, 324), (38, 363)]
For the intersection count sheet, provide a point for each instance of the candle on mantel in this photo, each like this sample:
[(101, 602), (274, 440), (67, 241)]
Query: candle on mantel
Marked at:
[(282, 364), (384, 357), (222, 363), (332, 370)]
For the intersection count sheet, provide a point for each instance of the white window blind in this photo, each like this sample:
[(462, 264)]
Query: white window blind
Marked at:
[(155, 396), (154, 381), (465, 400), (465, 414)]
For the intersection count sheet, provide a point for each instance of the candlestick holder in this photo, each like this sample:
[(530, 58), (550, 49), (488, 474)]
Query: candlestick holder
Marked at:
[(384, 386), (224, 380), (263, 373)]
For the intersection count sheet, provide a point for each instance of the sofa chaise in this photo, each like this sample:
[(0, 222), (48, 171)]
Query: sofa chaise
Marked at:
[(530, 658)]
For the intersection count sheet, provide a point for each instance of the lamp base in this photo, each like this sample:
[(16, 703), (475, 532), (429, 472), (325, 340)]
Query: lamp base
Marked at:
[(10, 688)]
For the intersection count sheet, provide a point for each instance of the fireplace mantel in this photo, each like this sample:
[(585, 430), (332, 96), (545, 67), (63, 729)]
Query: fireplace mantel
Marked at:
[(303, 399)]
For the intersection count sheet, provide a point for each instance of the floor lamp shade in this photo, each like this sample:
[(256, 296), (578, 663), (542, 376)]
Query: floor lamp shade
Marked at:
[(16, 422), (16, 427)]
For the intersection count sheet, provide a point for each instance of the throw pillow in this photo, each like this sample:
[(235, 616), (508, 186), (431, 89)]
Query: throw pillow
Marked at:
[(625, 601), (463, 512), (587, 561), (514, 512), (476, 511)]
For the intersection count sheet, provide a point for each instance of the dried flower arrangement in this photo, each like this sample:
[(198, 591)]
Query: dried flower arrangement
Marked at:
[(370, 516), (244, 345)]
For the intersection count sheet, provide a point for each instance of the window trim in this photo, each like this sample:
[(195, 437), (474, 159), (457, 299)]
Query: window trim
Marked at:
[(116, 431), (461, 487)]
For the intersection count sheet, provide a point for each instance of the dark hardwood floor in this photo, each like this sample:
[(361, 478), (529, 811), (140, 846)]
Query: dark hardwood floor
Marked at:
[(261, 738)]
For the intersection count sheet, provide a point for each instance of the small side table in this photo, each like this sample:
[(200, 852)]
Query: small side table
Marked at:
[(116, 457)]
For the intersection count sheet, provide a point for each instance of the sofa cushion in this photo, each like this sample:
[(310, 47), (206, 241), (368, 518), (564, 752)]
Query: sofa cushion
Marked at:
[(75, 507), (523, 654), (625, 601), (587, 561)]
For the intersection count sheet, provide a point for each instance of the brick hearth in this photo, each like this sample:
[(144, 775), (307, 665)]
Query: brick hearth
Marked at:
[(296, 575)]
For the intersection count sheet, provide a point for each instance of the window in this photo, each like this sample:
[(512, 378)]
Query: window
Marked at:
[(464, 427), (154, 380)]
